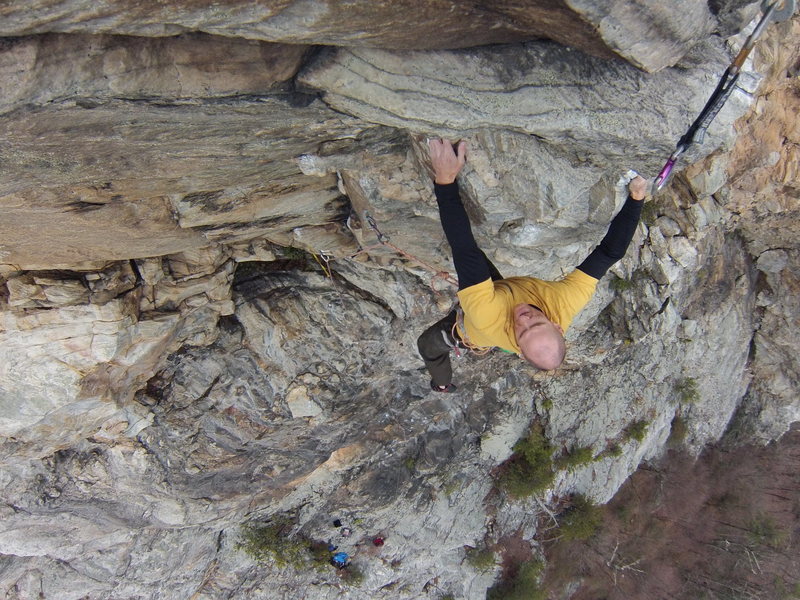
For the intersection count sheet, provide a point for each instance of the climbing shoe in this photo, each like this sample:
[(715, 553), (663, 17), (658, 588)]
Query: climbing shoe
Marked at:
[(446, 389)]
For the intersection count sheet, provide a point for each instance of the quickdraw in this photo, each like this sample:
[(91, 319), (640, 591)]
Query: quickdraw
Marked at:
[(384, 240), (697, 130)]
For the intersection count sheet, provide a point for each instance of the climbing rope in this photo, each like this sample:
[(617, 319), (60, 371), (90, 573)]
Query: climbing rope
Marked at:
[(456, 334), (725, 87), (325, 267), (385, 241)]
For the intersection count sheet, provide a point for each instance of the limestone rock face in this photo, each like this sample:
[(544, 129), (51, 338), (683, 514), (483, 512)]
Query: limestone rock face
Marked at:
[(647, 35), (119, 193), (216, 255), (598, 111)]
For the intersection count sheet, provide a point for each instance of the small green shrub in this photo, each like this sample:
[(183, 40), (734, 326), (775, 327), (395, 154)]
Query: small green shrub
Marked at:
[(523, 586), (481, 559), (762, 530), (581, 520), (636, 430), (319, 552), (687, 390), (352, 575), (263, 542), (614, 449), (530, 468), (577, 457), (786, 590)]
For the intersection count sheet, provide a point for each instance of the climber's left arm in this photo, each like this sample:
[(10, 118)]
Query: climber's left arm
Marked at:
[(620, 232)]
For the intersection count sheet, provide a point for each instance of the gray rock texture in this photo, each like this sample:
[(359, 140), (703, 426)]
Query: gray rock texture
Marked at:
[(200, 328), (647, 35)]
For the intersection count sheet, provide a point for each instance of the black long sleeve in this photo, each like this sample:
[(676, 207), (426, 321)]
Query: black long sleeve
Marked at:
[(471, 263), (614, 245)]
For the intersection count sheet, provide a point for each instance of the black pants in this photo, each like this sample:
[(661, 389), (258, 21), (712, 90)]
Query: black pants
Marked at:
[(439, 339), (434, 347)]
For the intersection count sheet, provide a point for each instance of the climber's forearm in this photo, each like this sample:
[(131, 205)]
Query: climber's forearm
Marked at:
[(471, 264), (615, 243)]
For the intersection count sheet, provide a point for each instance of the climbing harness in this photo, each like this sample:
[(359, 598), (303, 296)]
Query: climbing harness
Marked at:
[(697, 130), (459, 332)]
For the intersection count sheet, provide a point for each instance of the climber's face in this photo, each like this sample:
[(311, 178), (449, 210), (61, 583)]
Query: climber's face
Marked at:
[(540, 340)]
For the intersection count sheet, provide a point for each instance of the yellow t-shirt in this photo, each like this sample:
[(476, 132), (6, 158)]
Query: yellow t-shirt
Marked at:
[(488, 306)]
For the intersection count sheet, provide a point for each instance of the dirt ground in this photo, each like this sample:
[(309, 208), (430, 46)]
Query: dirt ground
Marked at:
[(723, 526)]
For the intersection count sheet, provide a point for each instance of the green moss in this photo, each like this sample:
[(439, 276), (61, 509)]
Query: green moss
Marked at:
[(523, 586), (292, 253), (481, 559), (687, 390), (530, 468), (577, 457), (451, 487), (649, 213), (618, 284), (581, 520)]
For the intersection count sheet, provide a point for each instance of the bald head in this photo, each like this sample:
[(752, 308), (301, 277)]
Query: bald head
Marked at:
[(540, 340)]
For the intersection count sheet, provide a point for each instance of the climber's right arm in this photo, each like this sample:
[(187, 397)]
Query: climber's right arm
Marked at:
[(470, 262)]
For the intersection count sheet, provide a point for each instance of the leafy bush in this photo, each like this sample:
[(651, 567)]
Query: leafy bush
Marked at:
[(530, 468), (273, 541), (581, 520), (481, 559), (523, 586), (763, 530)]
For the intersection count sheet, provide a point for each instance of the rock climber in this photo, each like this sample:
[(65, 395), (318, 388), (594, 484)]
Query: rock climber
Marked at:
[(523, 315)]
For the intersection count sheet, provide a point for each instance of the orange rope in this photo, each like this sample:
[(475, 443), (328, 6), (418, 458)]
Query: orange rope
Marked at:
[(384, 240)]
